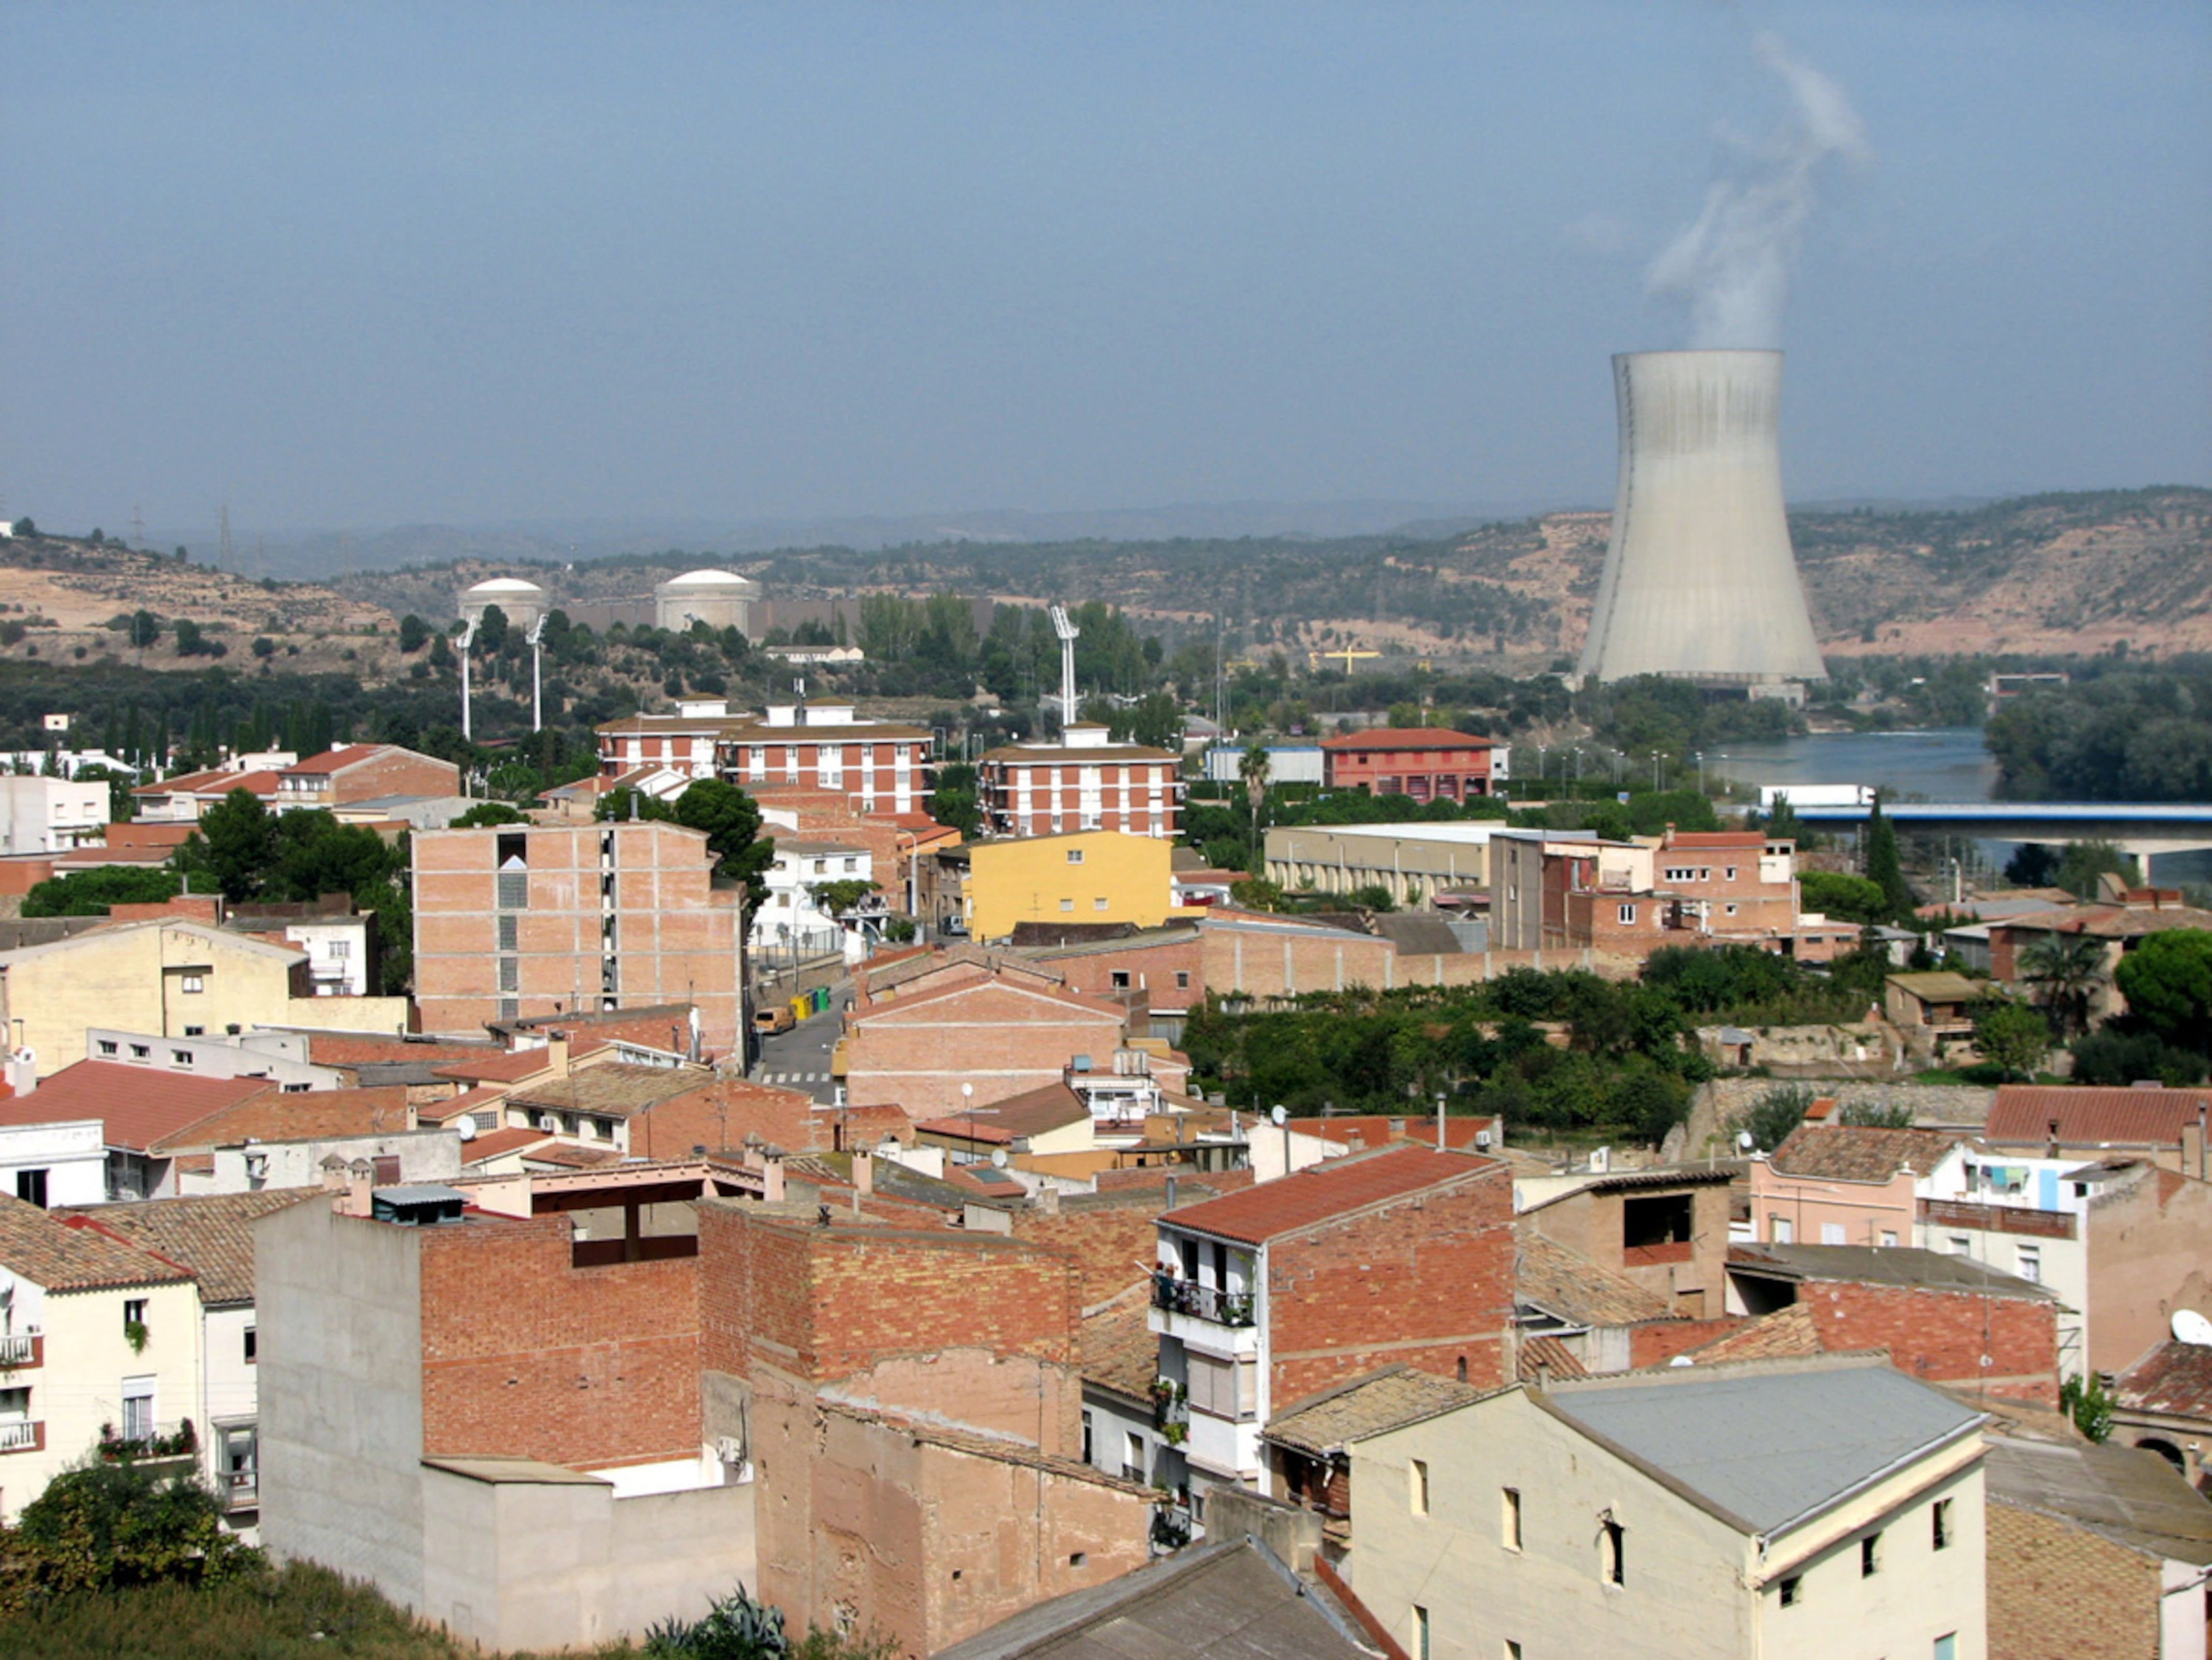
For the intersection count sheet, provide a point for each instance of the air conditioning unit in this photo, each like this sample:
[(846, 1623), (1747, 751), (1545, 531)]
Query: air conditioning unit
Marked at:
[(547, 1122), (729, 1449), (1482, 1137)]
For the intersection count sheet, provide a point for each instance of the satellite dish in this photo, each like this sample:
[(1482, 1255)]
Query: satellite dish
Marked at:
[(2190, 1327), (466, 1129), (998, 1159), (1277, 1117), (1743, 1139)]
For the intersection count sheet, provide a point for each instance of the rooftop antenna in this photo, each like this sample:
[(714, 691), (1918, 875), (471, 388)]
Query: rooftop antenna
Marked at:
[(536, 638), (1067, 632), (468, 639)]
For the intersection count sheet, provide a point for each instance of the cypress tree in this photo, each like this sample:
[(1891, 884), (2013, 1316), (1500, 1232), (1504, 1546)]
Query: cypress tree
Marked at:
[(1883, 866)]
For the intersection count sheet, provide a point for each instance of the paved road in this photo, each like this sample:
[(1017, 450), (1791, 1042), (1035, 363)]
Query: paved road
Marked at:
[(800, 1059)]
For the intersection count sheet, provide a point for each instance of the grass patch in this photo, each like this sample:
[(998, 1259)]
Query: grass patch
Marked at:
[(289, 1613)]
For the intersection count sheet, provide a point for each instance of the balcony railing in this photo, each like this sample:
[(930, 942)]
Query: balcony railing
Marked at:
[(22, 1349), (21, 1435), (241, 1489), (1222, 1308)]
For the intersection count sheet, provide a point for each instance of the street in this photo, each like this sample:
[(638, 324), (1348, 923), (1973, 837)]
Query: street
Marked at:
[(800, 1059)]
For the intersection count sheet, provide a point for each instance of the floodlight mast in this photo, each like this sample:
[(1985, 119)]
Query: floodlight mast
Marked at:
[(536, 638), (1069, 634), (468, 639)]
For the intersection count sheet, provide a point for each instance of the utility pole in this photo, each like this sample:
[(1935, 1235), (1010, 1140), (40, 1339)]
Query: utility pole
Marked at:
[(222, 535), (137, 528)]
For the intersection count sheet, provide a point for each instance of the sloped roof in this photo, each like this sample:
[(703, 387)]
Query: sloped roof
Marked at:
[(1766, 1450), (354, 1049), (1326, 1191), (1858, 1152), (1941, 986), (1881, 1265), (2022, 1115), (1562, 1282), (2131, 1498), (616, 1089), (1227, 1601), (1376, 1130), (211, 1234), (496, 1143), (1119, 1350), (1543, 1357), (1327, 1422), (48, 1252), (1407, 738), (277, 1116), (1790, 1331), (2175, 1379), (137, 1106)]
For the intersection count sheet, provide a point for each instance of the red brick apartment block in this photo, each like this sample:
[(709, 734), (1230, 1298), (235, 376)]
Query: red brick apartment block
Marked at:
[(1402, 1256), (515, 921), (1429, 763), (525, 1355), (363, 772), (1086, 781), (870, 765)]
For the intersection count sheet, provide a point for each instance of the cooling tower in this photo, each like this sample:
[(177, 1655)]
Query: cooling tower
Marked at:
[(1700, 581)]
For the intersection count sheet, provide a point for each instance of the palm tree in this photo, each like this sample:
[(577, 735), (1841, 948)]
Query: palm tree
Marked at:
[(1252, 768), (2065, 969)]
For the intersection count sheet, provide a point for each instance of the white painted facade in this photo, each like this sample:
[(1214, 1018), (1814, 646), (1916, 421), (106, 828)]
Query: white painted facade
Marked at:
[(50, 815), (55, 1164)]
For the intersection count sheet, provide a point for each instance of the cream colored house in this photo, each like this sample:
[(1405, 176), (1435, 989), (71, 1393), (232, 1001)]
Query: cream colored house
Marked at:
[(100, 1342), (171, 978), (1802, 1508)]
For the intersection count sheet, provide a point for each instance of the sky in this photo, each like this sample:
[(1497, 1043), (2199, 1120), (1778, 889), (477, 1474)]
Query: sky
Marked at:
[(349, 267)]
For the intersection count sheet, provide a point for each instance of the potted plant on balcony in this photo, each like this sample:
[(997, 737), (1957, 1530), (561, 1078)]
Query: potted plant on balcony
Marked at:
[(133, 1333)]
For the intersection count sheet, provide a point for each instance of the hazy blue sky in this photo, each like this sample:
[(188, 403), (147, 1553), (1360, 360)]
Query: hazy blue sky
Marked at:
[(359, 265)]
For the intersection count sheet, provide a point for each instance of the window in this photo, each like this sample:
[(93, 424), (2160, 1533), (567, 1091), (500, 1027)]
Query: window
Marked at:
[(1417, 1474), (1133, 1457), (2030, 1260), (1420, 1632), (194, 983), (138, 1408), (1099, 904), (1119, 979), (1870, 1556), (31, 1186), (1086, 1435), (253, 1346), (1939, 1516), (107, 1046), (1946, 1646), (1222, 1389), (1731, 873), (1889, 1236), (1067, 904), (508, 937), (1793, 1591), (194, 1031), (141, 1052), (181, 1057), (1182, 979), (1509, 1520), (1780, 1231), (1075, 855), (1663, 1220), (1613, 1551), (1961, 1245), (1627, 914), (1832, 1233), (134, 1314)]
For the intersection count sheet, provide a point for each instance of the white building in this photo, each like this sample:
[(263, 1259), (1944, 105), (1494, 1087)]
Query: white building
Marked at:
[(50, 815), (49, 1165), (1812, 1509), (792, 918)]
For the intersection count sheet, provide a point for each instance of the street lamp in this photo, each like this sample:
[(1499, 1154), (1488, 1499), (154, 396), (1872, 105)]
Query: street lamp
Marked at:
[(968, 1105)]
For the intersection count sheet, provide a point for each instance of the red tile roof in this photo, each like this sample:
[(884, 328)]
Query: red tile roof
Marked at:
[(1408, 738), (335, 760), (495, 1143), (1375, 1132), (2174, 1378), (137, 1105), (514, 1065), (1336, 1188), (1859, 1152), (2093, 1117), (348, 1048), (454, 1106), (293, 1117), (55, 1255), (1715, 839)]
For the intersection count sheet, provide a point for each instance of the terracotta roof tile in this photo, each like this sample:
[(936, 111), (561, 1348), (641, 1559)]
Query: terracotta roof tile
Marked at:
[(1327, 1422), (1548, 1357), (272, 1117), (2023, 1113), (350, 1048), (1562, 1282), (211, 1234), (1849, 1153), (1377, 1130), (496, 1143), (1407, 738), (136, 1105), (48, 1252), (2174, 1378), (1790, 1331), (1313, 1196), (615, 1090), (1119, 1350)]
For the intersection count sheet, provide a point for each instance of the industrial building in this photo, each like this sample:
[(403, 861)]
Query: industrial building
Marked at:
[(720, 598), (521, 602), (1700, 581)]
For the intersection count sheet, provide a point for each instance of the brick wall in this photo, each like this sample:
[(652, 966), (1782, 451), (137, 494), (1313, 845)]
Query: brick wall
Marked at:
[(1111, 1242), (394, 772), (2061, 1592), (1002, 1038), (525, 1356), (1942, 1335), (719, 1115), (1426, 1282), (1168, 974)]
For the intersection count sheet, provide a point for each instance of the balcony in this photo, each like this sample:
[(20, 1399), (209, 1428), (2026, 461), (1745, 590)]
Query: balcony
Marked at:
[(1198, 1302), (22, 1349), (23, 1435), (240, 1489)]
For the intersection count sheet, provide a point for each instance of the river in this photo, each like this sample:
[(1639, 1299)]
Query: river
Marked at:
[(1941, 763)]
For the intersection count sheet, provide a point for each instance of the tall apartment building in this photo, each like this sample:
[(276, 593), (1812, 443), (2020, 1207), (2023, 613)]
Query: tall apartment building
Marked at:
[(514, 923), (875, 765), (1086, 781)]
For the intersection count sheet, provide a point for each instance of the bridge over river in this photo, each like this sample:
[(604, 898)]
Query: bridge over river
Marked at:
[(2143, 829)]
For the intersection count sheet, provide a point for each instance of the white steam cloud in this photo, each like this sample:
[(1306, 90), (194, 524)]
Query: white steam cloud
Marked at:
[(1733, 262)]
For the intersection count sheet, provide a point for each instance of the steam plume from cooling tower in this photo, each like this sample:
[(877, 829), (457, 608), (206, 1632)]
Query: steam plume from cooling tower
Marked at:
[(1733, 262)]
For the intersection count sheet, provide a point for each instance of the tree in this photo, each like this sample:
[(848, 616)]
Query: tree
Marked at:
[(486, 813), (2066, 968), (1833, 894), (2083, 1398), (1253, 768), (25, 529), (491, 631), (1870, 1115), (235, 845), (2034, 866), (2010, 1036), (2084, 865), (953, 800), (414, 634), (107, 1527), (732, 823), (841, 896), (621, 807), (1884, 868), (144, 629), (91, 892), (1775, 1117), (2167, 981)]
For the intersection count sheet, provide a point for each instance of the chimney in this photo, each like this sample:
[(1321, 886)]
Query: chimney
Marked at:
[(334, 1174), (556, 1054), (2192, 1146), (1170, 1204), (2051, 1150), (863, 1172), (360, 1180)]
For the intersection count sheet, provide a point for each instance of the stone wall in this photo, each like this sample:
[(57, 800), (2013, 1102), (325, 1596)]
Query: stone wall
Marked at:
[(1719, 1108)]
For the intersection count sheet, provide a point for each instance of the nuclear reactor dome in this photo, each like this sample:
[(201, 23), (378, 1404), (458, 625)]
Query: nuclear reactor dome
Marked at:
[(522, 603), (720, 598)]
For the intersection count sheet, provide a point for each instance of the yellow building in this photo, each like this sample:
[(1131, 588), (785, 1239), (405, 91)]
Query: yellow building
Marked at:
[(1084, 876), (171, 978)]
